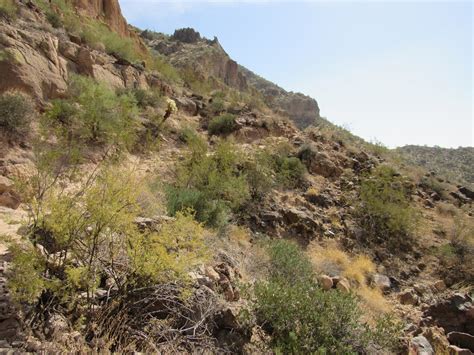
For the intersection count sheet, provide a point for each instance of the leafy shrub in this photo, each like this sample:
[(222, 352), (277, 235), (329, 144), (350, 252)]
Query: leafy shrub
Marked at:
[(223, 124), (8, 9), (385, 213), (54, 19), (260, 173), (188, 134), (94, 113), (288, 263), (302, 318), (94, 225), (159, 64), (96, 33), (195, 81), (456, 255), (147, 98), (290, 171), (16, 112), (217, 103), (211, 184)]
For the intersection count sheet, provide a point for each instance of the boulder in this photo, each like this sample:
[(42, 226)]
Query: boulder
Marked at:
[(454, 313), (187, 105), (319, 163), (212, 274), (326, 282), (408, 297), (439, 286), (462, 340), (420, 346), (382, 282), (466, 192), (343, 285)]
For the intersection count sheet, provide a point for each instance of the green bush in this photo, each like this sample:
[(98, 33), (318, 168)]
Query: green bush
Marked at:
[(260, 174), (303, 319), (94, 113), (223, 124), (211, 184), (290, 171), (384, 211), (8, 9), (93, 223), (147, 98), (16, 112), (288, 263), (159, 64), (96, 33)]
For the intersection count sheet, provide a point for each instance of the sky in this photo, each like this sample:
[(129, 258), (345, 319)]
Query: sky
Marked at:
[(397, 72)]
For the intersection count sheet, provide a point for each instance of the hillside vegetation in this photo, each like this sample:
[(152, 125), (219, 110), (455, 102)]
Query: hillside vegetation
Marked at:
[(456, 164), (156, 197)]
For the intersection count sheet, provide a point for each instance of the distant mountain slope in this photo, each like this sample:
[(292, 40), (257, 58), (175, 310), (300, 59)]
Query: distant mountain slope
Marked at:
[(456, 165)]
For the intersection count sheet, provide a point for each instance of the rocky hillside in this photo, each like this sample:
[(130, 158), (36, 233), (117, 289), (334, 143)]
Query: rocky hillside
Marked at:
[(456, 165), (186, 49), (156, 197)]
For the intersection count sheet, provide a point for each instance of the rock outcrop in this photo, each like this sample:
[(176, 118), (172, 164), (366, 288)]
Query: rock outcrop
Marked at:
[(107, 10), (301, 109), (39, 62)]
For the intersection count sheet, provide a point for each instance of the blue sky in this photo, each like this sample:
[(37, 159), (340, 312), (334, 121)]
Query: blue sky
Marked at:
[(399, 72)]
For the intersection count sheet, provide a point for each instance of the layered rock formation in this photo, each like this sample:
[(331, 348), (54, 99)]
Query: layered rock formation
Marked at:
[(39, 62), (302, 109), (107, 10)]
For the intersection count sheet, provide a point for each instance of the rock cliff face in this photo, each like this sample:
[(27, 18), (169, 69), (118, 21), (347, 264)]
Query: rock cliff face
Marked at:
[(187, 49), (301, 109), (39, 62), (107, 10)]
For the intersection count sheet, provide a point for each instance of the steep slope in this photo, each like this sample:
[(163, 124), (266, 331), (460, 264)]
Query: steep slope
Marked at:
[(163, 212), (456, 164)]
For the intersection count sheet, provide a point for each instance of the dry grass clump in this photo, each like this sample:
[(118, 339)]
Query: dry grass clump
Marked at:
[(332, 261), (373, 300)]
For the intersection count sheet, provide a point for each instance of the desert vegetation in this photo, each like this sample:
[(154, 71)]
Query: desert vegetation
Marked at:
[(162, 199)]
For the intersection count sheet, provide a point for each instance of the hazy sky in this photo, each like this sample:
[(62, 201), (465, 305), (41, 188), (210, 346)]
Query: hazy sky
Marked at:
[(399, 72)]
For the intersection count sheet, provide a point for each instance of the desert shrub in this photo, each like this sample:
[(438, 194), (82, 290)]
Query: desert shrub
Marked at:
[(91, 233), (96, 34), (302, 318), (384, 211), (288, 262), (54, 19), (94, 113), (222, 125), (210, 184), (188, 134), (16, 112), (290, 171), (260, 174), (147, 98), (158, 63), (266, 169), (432, 183), (195, 81), (217, 104), (8, 9), (456, 255), (26, 282)]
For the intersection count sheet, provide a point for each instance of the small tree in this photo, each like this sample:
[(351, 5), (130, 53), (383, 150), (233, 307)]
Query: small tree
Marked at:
[(16, 112), (384, 211)]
